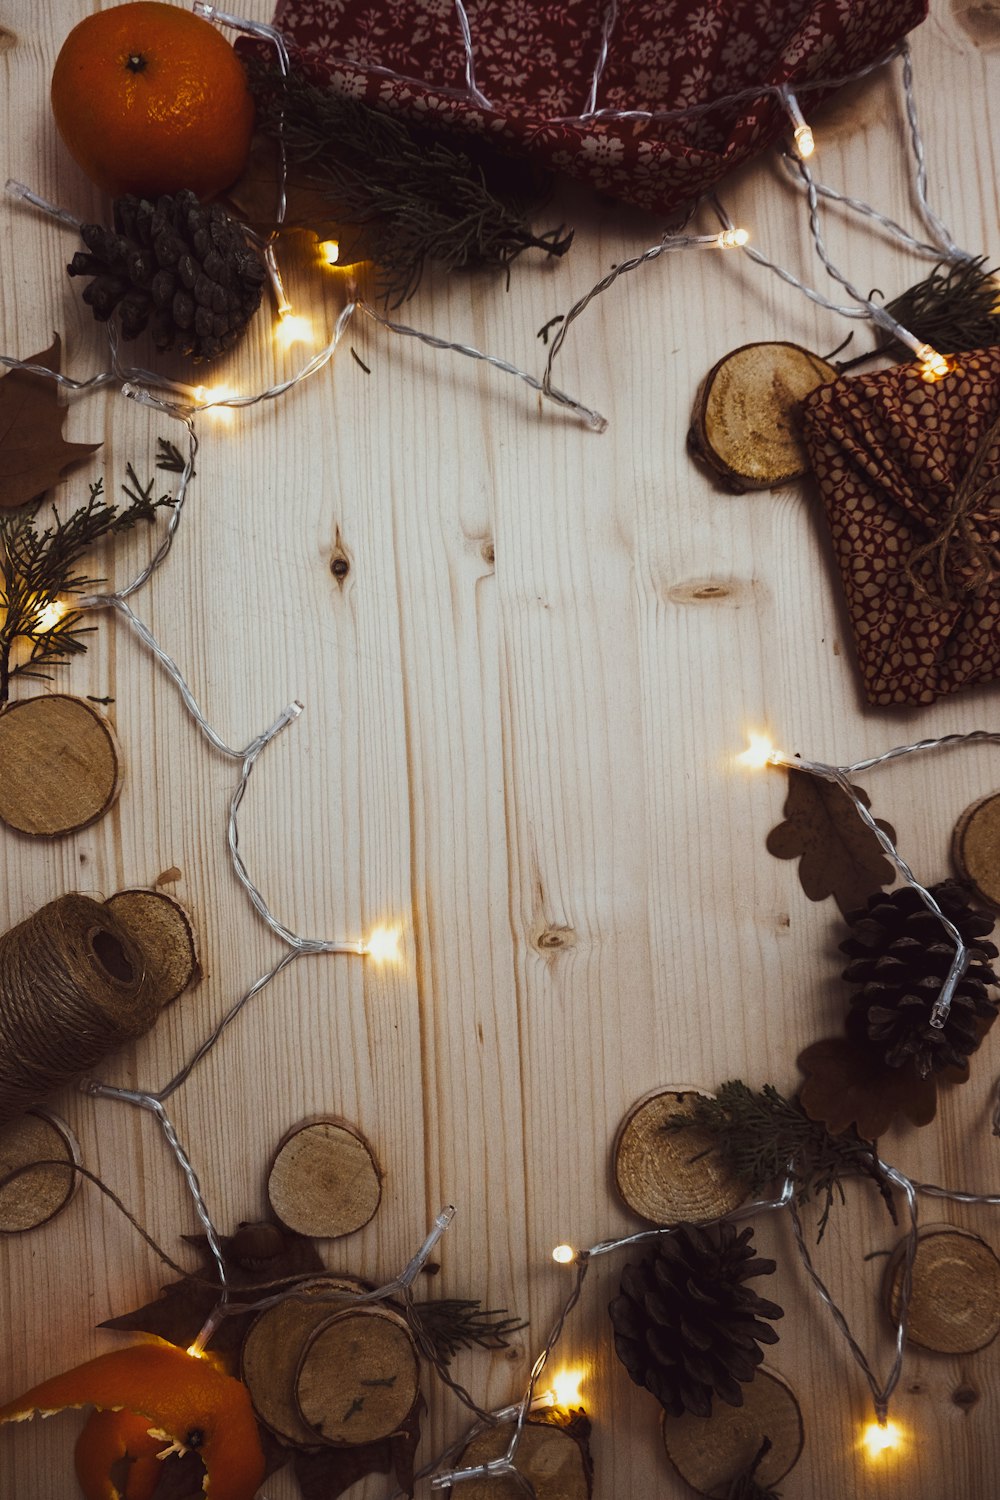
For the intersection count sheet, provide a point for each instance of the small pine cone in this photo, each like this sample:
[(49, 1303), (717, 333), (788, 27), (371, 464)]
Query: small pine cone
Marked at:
[(181, 268), (901, 956), (686, 1326)]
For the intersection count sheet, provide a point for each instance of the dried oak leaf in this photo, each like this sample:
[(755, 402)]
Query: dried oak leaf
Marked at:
[(328, 1472), (33, 452), (845, 1085), (838, 854)]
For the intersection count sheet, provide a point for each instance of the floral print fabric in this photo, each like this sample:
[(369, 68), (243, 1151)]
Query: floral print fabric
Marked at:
[(535, 59)]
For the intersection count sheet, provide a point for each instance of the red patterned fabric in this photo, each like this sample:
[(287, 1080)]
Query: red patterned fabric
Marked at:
[(892, 453), (534, 60)]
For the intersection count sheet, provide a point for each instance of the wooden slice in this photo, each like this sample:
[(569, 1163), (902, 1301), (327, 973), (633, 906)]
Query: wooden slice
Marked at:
[(358, 1377), (273, 1348), (663, 1175), (955, 1305), (35, 1197), (709, 1452), (975, 847), (164, 934), (59, 765), (324, 1180), (745, 423), (555, 1462)]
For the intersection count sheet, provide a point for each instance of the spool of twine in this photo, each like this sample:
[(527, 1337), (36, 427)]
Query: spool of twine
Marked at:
[(71, 992)]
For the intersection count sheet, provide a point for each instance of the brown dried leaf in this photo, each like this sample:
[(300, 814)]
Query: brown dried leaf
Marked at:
[(845, 1085), (839, 855), (33, 452), (326, 1474)]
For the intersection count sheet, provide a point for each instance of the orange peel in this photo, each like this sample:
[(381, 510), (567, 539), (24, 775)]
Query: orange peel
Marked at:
[(106, 1439), (187, 1398)]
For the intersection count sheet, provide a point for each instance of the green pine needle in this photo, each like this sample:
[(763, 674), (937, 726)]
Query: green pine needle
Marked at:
[(759, 1136), (956, 308)]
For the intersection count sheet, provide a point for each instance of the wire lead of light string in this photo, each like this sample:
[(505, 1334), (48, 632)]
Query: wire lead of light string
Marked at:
[(607, 26), (866, 210), (934, 222), (470, 57), (593, 419)]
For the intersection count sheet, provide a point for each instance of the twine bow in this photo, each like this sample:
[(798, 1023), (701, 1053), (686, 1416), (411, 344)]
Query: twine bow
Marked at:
[(961, 562)]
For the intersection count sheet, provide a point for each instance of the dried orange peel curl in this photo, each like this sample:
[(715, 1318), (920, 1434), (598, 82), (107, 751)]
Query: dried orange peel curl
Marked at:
[(111, 1438), (194, 1404)]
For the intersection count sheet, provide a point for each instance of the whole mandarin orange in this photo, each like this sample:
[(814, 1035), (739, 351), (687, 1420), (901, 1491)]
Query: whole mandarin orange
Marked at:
[(150, 98)]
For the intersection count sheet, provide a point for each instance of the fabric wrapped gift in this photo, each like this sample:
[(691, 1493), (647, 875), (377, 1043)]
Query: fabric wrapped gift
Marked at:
[(909, 476), (534, 64)]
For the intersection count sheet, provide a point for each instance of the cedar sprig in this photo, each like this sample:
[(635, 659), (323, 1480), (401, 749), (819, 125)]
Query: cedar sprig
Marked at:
[(38, 570), (412, 197), (957, 307), (760, 1135), (455, 1323)]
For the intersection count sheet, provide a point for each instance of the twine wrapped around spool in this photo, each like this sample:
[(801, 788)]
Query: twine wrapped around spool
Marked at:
[(71, 991)]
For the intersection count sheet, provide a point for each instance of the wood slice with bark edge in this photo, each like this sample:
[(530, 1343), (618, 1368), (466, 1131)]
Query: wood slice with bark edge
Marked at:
[(975, 848), (35, 1198), (358, 1377), (164, 933), (272, 1350), (709, 1452), (60, 767), (324, 1180), (654, 1170), (955, 1305), (745, 424), (550, 1456)]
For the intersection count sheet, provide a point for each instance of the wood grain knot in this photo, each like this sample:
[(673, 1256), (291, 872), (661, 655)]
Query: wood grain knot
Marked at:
[(733, 592), (980, 20), (7, 39), (551, 939), (489, 553), (340, 561), (965, 1396)]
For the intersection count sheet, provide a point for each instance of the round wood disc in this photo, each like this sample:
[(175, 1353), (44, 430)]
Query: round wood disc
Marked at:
[(662, 1175), (745, 422), (324, 1181), (59, 765), (164, 934), (358, 1377), (955, 1305), (549, 1456), (272, 1350), (35, 1197), (709, 1452), (976, 847)]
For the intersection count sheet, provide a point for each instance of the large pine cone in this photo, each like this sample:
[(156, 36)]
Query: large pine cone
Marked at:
[(178, 267), (686, 1326), (901, 957)]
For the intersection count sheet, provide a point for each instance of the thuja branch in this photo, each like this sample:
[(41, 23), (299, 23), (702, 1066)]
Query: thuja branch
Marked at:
[(38, 573), (411, 196), (761, 1136), (455, 1323)]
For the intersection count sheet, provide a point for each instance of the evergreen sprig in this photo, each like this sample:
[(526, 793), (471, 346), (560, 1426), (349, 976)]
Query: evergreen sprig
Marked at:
[(455, 1323), (957, 307), (413, 197), (760, 1136), (38, 570)]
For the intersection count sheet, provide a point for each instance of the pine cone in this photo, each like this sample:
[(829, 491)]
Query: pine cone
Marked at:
[(686, 1327), (901, 959), (181, 268)]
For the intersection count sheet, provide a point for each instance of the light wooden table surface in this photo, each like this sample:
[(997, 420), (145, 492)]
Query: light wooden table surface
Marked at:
[(521, 708)]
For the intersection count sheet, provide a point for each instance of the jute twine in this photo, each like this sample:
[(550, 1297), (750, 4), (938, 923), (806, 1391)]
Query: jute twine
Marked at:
[(71, 992)]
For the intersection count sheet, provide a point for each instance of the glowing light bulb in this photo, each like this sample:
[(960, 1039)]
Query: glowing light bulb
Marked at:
[(879, 1437), (758, 753), (933, 366), (805, 141), (732, 239), (195, 1352), (330, 251), (563, 1254), (292, 328), (50, 614), (566, 1389), (211, 396), (383, 945)]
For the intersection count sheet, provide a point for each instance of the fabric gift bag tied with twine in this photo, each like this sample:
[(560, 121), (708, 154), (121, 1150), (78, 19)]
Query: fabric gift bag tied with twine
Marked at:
[(534, 68), (72, 989), (909, 477)]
